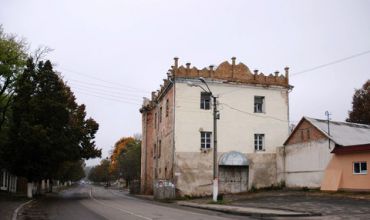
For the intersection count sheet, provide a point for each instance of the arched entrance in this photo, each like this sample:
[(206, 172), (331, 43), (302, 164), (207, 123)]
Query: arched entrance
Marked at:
[(233, 172)]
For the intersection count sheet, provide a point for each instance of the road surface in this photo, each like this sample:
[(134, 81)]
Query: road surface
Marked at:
[(95, 203)]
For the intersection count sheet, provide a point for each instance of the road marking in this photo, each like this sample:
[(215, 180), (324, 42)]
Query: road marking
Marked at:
[(123, 210), (165, 207), (15, 213)]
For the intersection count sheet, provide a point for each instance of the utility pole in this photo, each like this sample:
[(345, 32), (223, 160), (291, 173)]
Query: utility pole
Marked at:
[(216, 116), (215, 165), (327, 113)]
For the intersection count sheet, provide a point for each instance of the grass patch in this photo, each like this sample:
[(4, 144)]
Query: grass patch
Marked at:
[(219, 202)]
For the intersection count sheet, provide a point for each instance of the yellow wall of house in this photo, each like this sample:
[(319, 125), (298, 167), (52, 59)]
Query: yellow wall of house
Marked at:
[(339, 173)]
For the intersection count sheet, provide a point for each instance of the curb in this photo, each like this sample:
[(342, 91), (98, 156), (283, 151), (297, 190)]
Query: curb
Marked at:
[(15, 213), (237, 210)]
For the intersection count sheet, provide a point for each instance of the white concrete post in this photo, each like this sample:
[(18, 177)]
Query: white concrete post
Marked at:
[(48, 185), (29, 189), (42, 186)]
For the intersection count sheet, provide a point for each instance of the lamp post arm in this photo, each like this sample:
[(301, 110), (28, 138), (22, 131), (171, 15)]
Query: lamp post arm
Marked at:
[(205, 83)]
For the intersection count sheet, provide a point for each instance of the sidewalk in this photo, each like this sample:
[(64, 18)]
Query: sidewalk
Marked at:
[(9, 203), (236, 209), (247, 211)]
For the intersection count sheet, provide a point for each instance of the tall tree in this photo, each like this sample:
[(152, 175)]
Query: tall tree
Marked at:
[(13, 58), (361, 105), (71, 171), (100, 173), (48, 128), (129, 161), (118, 149)]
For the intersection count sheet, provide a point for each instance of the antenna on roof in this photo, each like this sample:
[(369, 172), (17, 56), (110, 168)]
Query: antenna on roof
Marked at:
[(327, 113)]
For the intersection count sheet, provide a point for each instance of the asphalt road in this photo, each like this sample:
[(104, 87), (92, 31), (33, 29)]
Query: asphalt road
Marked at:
[(95, 203)]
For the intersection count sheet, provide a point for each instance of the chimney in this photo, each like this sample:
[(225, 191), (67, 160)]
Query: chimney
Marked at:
[(286, 72), (176, 62), (211, 71), (233, 60), (276, 73)]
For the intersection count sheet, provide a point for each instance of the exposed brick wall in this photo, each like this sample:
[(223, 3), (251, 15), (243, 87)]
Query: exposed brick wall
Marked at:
[(147, 152), (305, 132), (164, 136)]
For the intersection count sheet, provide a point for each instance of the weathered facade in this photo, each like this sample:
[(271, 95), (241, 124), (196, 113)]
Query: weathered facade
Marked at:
[(178, 128), (313, 157)]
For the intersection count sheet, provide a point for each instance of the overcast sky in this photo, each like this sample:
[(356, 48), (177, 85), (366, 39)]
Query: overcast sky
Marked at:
[(112, 53)]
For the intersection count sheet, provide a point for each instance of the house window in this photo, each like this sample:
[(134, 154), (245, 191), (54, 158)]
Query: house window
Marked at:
[(167, 107), (155, 120), (359, 168), (160, 114), (205, 100), (205, 139), (259, 142), (259, 104), (159, 148), (155, 151)]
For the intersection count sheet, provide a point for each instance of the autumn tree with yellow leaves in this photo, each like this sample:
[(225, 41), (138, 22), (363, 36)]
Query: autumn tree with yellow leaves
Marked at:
[(125, 159)]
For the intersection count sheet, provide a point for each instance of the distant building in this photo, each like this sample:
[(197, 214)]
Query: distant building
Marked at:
[(327, 155), (8, 182), (177, 144)]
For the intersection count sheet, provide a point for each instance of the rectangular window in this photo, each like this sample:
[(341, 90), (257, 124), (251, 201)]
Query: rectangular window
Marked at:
[(160, 114), (259, 105), (259, 142), (167, 107), (360, 167), (155, 120), (205, 139), (205, 100), (159, 148), (155, 151)]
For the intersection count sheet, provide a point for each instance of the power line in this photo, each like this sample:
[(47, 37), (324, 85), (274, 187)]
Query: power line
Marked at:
[(251, 114), (110, 99), (100, 79), (106, 94), (94, 89), (331, 63), (101, 85)]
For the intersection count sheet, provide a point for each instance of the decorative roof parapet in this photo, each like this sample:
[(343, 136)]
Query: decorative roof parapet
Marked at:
[(228, 72), (231, 72)]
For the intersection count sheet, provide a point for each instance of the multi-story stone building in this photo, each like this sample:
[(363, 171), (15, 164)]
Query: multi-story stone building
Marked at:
[(178, 128)]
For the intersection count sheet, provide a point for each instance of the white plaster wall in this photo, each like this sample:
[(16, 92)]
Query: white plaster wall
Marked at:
[(236, 128), (305, 163)]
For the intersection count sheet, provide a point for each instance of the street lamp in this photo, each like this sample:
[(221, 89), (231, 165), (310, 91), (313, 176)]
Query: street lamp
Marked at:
[(215, 117)]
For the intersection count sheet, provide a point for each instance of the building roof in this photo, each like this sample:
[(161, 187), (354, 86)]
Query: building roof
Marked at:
[(343, 133)]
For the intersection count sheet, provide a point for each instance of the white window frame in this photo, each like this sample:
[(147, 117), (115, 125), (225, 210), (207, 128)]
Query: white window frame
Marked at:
[(205, 140), (361, 172), (259, 142), (260, 109)]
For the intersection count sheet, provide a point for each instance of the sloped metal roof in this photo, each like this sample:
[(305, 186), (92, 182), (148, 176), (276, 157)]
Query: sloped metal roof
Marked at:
[(233, 158), (343, 133)]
